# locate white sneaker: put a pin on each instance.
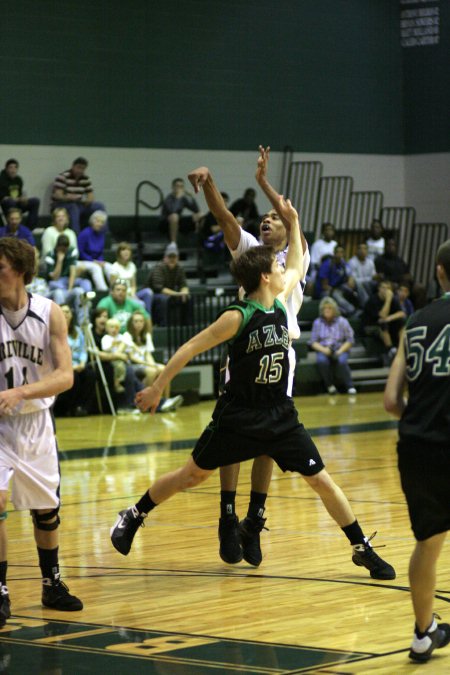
(351, 391)
(171, 404)
(332, 389)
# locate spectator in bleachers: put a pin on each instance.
(403, 293)
(62, 275)
(172, 208)
(384, 318)
(375, 241)
(113, 343)
(171, 293)
(72, 190)
(362, 269)
(80, 399)
(91, 246)
(14, 227)
(393, 268)
(12, 194)
(139, 341)
(246, 213)
(124, 268)
(390, 266)
(333, 280)
(323, 247)
(123, 401)
(332, 338)
(60, 225)
(211, 236)
(119, 305)
(140, 348)
(39, 284)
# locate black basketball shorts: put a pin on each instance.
(425, 477)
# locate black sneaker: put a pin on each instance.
(249, 529)
(55, 595)
(5, 606)
(230, 549)
(365, 556)
(437, 636)
(124, 529)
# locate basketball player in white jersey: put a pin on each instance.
(35, 365)
(242, 540)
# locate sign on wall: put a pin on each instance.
(419, 23)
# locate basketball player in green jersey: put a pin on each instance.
(254, 416)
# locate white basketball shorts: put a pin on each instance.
(29, 457)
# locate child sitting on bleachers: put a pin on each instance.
(114, 343)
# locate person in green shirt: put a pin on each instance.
(120, 306)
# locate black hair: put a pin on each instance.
(443, 257)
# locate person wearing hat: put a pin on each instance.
(171, 293)
(73, 191)
(12, 195)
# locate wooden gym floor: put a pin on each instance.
(172, 607)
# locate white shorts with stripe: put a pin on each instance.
(29, 457)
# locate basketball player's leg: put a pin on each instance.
(130, 519)
(337, 505)
(299, 453)
(230, 548)
(242, 540)
(251, 527)
(333, 498)
(422, 577)
(36, 487)
(428, 634)
(5, 605)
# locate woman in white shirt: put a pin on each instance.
(140, 348)
(60, 225)
(125, 269)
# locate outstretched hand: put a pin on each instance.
(287, 212)
(198, 177)
(148, 399)
(263, 161)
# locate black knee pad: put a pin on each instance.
(40, 519)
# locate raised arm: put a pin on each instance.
(294, 257)
(201, 178)
(223, 329)
(270, 192)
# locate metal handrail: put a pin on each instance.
(139, 201)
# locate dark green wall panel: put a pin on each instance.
(321, 75)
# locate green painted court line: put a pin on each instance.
(138, 448)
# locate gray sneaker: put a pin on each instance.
(171, 404)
